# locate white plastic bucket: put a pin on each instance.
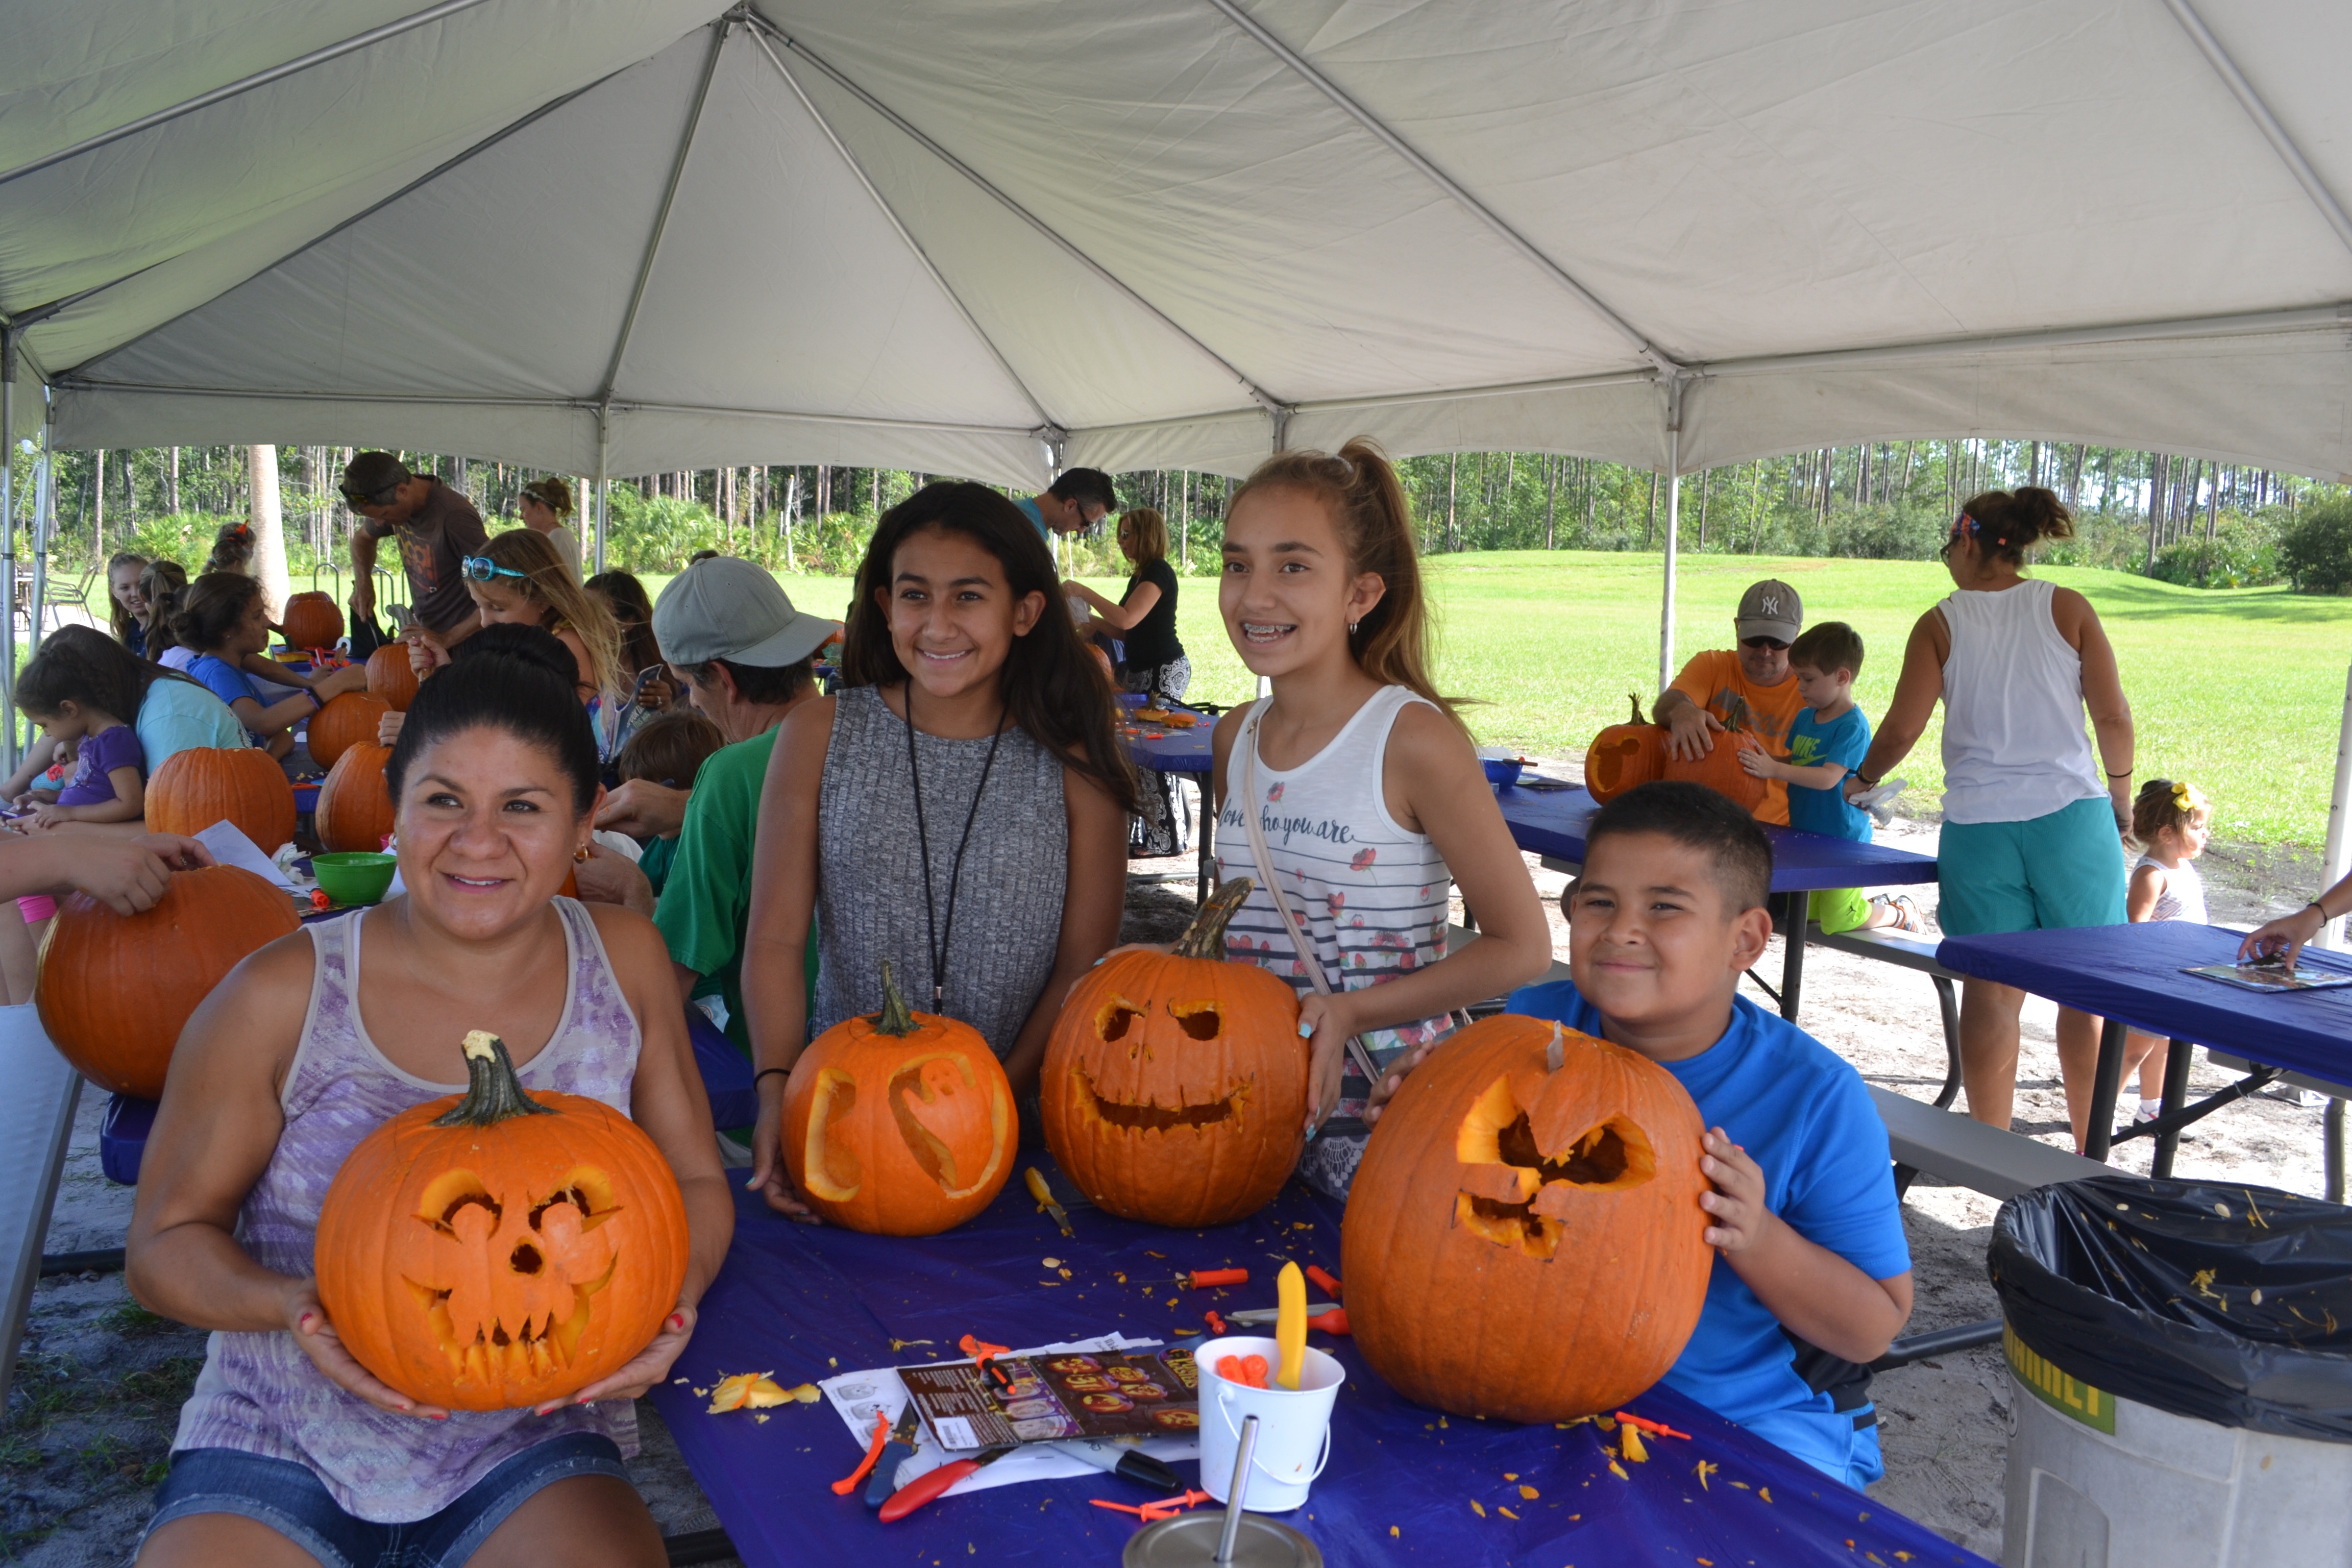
(1294, 1427)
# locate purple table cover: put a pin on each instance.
(1551, 821)
(2133, 972)
(1403, 1484)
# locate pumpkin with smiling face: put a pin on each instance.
(900, 1124)
(1175, 1084)
(1524, 1238)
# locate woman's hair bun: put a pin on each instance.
(2036, 513)
(523, 644)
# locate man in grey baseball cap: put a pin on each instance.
(1750, 681)
(746, 657)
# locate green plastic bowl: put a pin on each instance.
(356, 875)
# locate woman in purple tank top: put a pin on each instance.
(288, 1450)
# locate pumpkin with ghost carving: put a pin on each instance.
(1175, 1084)
(499, 1249)
(900, 1124)
(1524, 1238)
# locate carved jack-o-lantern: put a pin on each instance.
(901, 1123)
(499, 1250)
(1524, 1238)
(1623, 755)
(1175, 1084)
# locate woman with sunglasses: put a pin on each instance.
(2032, 833)
(1746, 688)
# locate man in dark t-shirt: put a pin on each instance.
(437, 529)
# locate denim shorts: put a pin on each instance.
(294, 1502)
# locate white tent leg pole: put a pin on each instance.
(8, 542)
(1674, 518)
(44, 498)
(603, 484)
(2331, 866)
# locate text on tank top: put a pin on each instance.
(257, 1392)
(2015, 745)
(1371, 895)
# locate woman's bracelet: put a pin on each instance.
(2324, 916)
(2124, 774)
(1865, 780)
(765, 1071)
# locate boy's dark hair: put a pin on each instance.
(768, 685)
(507, 677)
(1828, 647)
(1053, 690)
(1084, 485)
(669, 749)
(1699, 818)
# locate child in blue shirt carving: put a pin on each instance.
(1804, 1219)
(1827, 740)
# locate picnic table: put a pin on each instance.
(1403, 1484)
(2130, 976)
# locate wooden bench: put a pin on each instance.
(1907, 949)
(1961, 1150)
(39, 1095)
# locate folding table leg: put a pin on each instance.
(1207, 837)
(2101, 1119)
(2176, 1057)
(2334, 1143)
(1948, 1002)
(1792, 952)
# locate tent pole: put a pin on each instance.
(1673, 518)
(604, 481)
(44, 500)
(8, 541)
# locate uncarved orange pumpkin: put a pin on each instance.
(312, 620)
(354, 809)
(239, 785)
(1175, 1084)
(496, 1249)
(390, 676)
(1624, 755)
(1719, 769)
(115, 990)
(900, 1124)
(1524, 1238)
(342, 723)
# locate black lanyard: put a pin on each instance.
(939, 947)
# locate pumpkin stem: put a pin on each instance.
(493, 1093)
(1636, 699)
(896, 1019)
(1556, 1053)
(1205, 937)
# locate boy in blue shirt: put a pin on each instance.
(1804, 1218)
(1827, 740)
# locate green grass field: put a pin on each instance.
(1550, 644)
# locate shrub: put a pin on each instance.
(2239, 555)
(2316, 553)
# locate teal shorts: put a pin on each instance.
(2063, 870)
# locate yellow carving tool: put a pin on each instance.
(1045, 1196)
(1290, 1324)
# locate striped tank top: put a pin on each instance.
(257, 1392)
(2183, 898)
(1371, 895)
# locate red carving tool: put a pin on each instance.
(1315, 1273)
(983, 1355)
(1200, 1280)
(1322, 1315)
(931, 1483)
(1656, 1428)
(848, 1484)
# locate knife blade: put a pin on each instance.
(896, 1452)
(931, 1483)
(1121, 1460)
(1044, 1193)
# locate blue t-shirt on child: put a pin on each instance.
(227, 682)
(1846, 741)
(1803, 1116)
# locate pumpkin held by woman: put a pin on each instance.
(354, 809)
(900, 1124)
(1175, 1084)
(239, 785)
(1524, 1236)
(1624, 755)
(312, 621)
(498, 1249)
(115, 990)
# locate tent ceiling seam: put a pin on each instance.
(721, 27)
(2317, 317)
(1035, 405)
(1666, 364)
(1266, 400)
(243, 85)
(467, 156)
(2264, 120)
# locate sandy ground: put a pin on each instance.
(89, 1420)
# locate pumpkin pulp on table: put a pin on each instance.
(1175, 1087)
(496, 1250)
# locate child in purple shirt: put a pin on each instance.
(64, 697)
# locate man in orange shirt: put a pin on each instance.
(1751, 679)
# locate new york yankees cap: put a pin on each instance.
(1769, 609)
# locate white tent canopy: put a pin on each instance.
(981, 238)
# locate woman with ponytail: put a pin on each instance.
(1366, 793)
(2032, 835)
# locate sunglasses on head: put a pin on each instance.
(482, 569)
(1761, 643)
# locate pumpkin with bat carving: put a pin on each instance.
(901, 1123)
(1175, 1084)
(501, 1249)
(1524, 1238)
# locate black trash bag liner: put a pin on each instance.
(2225, 1303)
(366, 636)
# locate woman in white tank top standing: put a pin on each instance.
(1370, 799)
(2033, 832)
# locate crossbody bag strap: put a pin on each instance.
(1247, 741)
